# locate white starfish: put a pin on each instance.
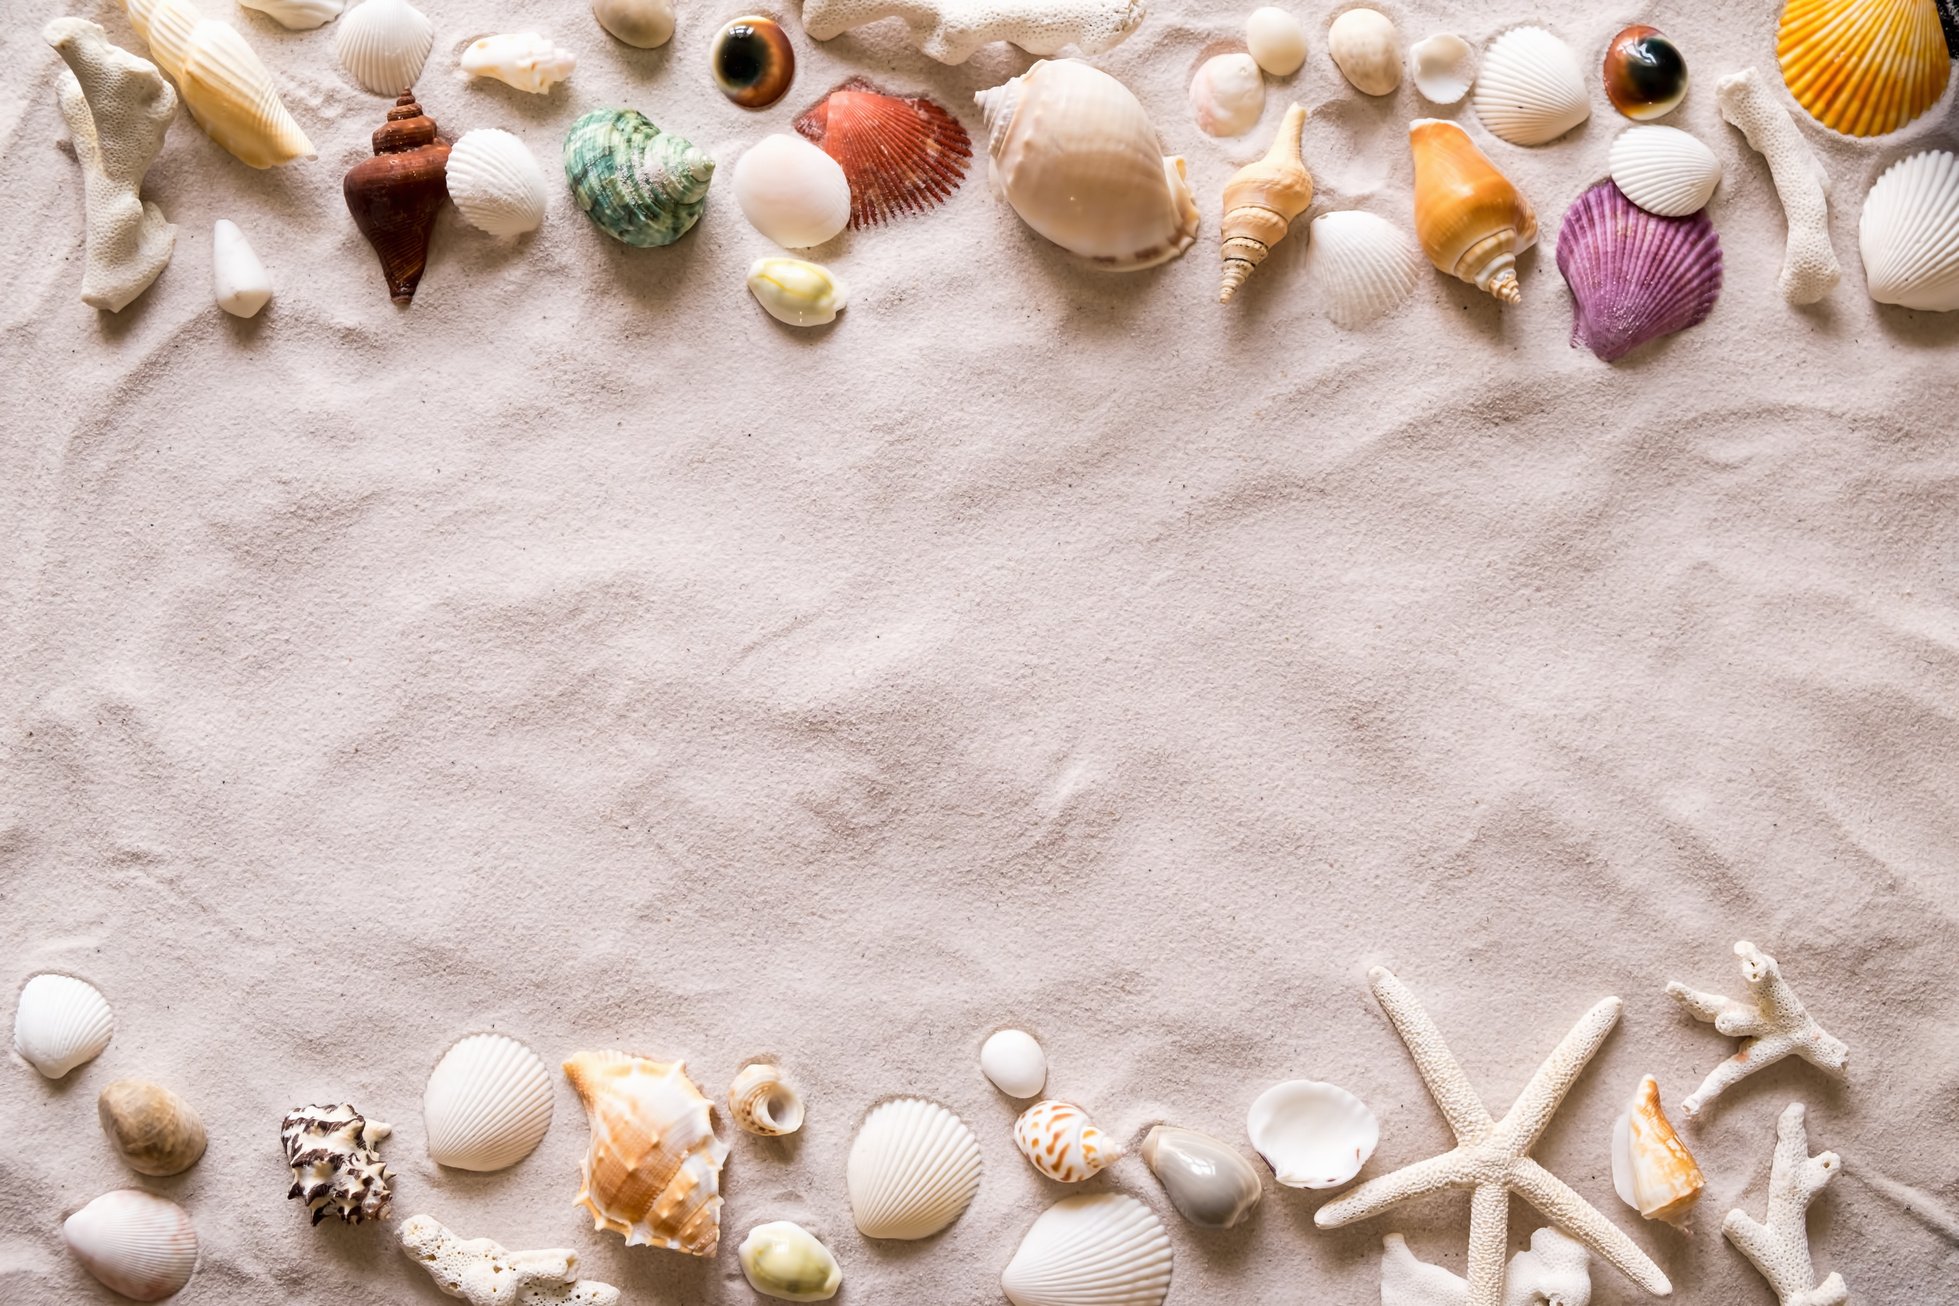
(1771, 1026)
(1492, 1157)
(1780, 1248)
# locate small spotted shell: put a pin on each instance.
(1062, 1142)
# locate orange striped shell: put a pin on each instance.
(900, 153)
(1863, 67)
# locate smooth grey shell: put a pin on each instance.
(1208, 1182)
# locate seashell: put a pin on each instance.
(1664, 170)
(796, 293)
(783, 1260)
(1652, 1170)
(496, 183)
(1097, 1249)
(1260, 202)
(239, 281)
(913, 1169)
(298, 15)
(1367, 49)
(653, 1172)
(138, 1244)
(753, 61)
(1277, 40)
(1471, 220)
(336, 1169)
(1634, 276)
(642, 24)
(950, 30)
(899, 153)
(1063, 1143)
(487, 1105)
(485, 1273)
(640, 185)
(524, 60)
(1809, 261)
(1014, 1062)
(384, 44)
(61, 1022)
(1359, 267)
(1645, 73)
(1863, 67)
(1228, 94)
(1553, 1271)
(1443, 68)
(1207, 1181)
(228, 91)
(762, 1100)
(1073, 152)
(396, 195)
(1909, 233)
(791, 191)
(1312, 1134)
(154, 1131)
(1530, 89)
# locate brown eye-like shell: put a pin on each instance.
(753, 62)
(1645, 73)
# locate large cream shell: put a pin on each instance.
(1312, 1134)
(1909, 233)
(1359, 266)
(1530, 89)
(1074, 153)
(913, 1170)
(141, 1245)
(496, 183)
(487, 1104)
(1664, 170)
(1099, 1249)
(384, 45)
(61, 1022)
(1365, 46)
(653, 1172)
(1060, 1141)
(791, 191)
(228, 90)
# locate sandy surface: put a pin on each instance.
(582, 655)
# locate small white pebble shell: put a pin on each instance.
(238, 280)
(1014, 1062)
(791, 191)
(1228, 94)
(1277, 40)
(61, 1022)
(1367, 49)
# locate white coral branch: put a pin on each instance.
(1779, 1247)
(1809, 264)
(1772, 1024)
(482, 1273)
(951, 30)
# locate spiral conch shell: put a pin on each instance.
(222, 81)
(1261, 201)
(1074, 153)
(1472, 220)
(654, 1170)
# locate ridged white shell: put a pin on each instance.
(487, 1104)
(496, 183)
(1099, 1249)
(913, 1170)
(141, 1245)
(299, 15)
(1360, 266)
(1443, 68)
(1909, 233)
(384, 44)
(1530, 89)
(791, 191)
(1312, 1134)
(1664, 170)
(61, 1023)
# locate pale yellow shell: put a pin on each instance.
(653, 1173)
(227, 89)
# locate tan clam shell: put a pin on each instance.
(226, 87)
(653, 1173)
(152, 1129)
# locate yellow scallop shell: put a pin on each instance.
(1863, 67)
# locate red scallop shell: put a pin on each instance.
(900, 153)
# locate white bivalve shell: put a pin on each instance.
(61, 1023)
(1014, 1062)
(791, 191)
(1062, 1143)
(496, 183)
(487, 1104)
(1367, 49)
(1530, 89)
(1909, 233)
(1664, 170)
(913, 1170)
(384, 44)
(1099, 1249)
(141, 1245)
(1360, 266)
(1443, 68)
(762, 1100)
(1228, 94)
(525, 60)
(298, 15)
(1312, 1134)
(1277, 40)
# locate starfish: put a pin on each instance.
(1779, 1248)
(1492, 1157)
(1771, 1026)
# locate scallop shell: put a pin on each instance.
(913, 1170)
(762, 1100)
(1207, 1181)
(526, 61)
(797, 294)
(154, 1131)
(1098, 1249)
(298, 15)
(1276, 39)
(785, 1261)
(1063, 1143)
(792, 192)
(1664, 170)
(1909, 233)
(1652, 1170)
(640, 185)
(653, 1173)
(1443, 68)
(384, 44)
(1863, 67)
(1366, 48)
(488, 1102)
(1634, 276)
(1312, 1134)
(141, 1245)
(224, 84)
(1012, 1059)
(1228, 94)
(1530, 89)
(496, 183)
(900, 154)
(1359, 266)
(61, 1022)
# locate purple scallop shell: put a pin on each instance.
(1634, 276)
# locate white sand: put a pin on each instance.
(583, 655)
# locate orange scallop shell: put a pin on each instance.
(1863, 67)
(900, 153)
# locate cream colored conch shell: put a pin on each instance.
(298, 15)
(1075, 155)
(1530, 89)
(224, 85)
(1062, 1143)
(1099, 1249)
(1261, 201)
(762, 1100)
(1809, 264)
(384, 45)
(951, 30)
(1909, 233)
(61, 1022)
(653, 1173)
(524, 60)
(483, 1273)
(141, 1245)
(1359, 266)
(1472, 220)
(913, 1169)
(1652, 1170)
(1206, 1180)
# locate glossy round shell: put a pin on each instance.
(640, 185)
(753, 61)
(1863, 67)
(1645, 73)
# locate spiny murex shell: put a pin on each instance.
(1099, 1249)
(1062, 1143)
(1909, 233)
(640, 185)
(1075, 155)
(61, 1022)
(483, 1273)
(913, 1169)
(487, 1104)
(1359, 266)
(762, 1100)
(1530, 89)
(496, 183)
(335, 1167)
(653, 1173)
(950, 30)
(1207, 1181)
(1312, 1134)
(1664, 170)
(228, 90)
(384, 44)
(783, 1260)
(137, 1243)
(152, 1129)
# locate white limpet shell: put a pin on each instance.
(791, 191)
(1228, 94)
(222, 81)
(487, 1105)
(1277, 40)
(1664, 170)
(1530, 89)
(951, 30)
(1652, 1170)
(1779, 1246)
(496, 183)
(1207, 1181)
(1060, 1141)
(239, 281)
(1360, 266)
(642, 24)
(1553, 1271)
(1098, 1249)
(783, 1260)
(913, 1170)
(483, 1273)
(1014, 1062)
(1312, 1134)
(762, 1100)
(384, 45)
(1367, 49)
(141, 1245)
(1809, 263)
(1443, 67)
(1909, 233)
(526, 60)
(797, 293)
(298, 15)
(61, 1022)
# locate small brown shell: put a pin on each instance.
(762, 1101)
(153, 1130)
(753, 61)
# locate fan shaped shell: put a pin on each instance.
(653, 1173)
(497, 184)
(791, 191)
(488, 1102)
(1312, 1134)
(1531, 90)
(384, 44)
(1360, 266)
(913, 1170)
(1099, 1249)
(1909, 233)
(1634, 276)
(61, 1022)
(1863, 67)
(900, 154)
(141, 1245)
(1664, 170)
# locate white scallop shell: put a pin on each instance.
(1443, 67)
(137, 1243)
(1060, 1141)
(1360, 266)
(1664, 170)
(61, 1023)
(487, 1104)
(1909, 233)
(1014, 1062)
(497, 184)
(1228, 94)
(1099, 1249)
(524, 60)
(791, 191)
(299, 15)
(1313, 1135)
(913, 1170)
(1530, 89)
(383, 45)
(1367, 49)
(1276, 39)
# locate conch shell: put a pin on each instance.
(1652, 1170)
(1472, 220)
(1261, 201)
(396, 195)
(654, 1170)
(226, 87)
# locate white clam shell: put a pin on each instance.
(141, 1245)
(762, 1100)
(1060, 1141)
(1099, 1249)
(487, 1104)
(299, 15)
(238, 279)
(1664, 170)
(496, 183)
(1443, 68)
(384, 44)
(1360, 266)
(913, 1170)
(1312, 1134)
(791, 191)
(61, 1022)
(1530, 89)
(1367, 49)
(525, 60)
(1228, 94)
(1014, 1062)
(1276, 39)
(1909, 233)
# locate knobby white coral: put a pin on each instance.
(482, 1273)
(1771, 1025)
(950, 30)
(1554, 1271)
(1780, 1247)
(1809, 264)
